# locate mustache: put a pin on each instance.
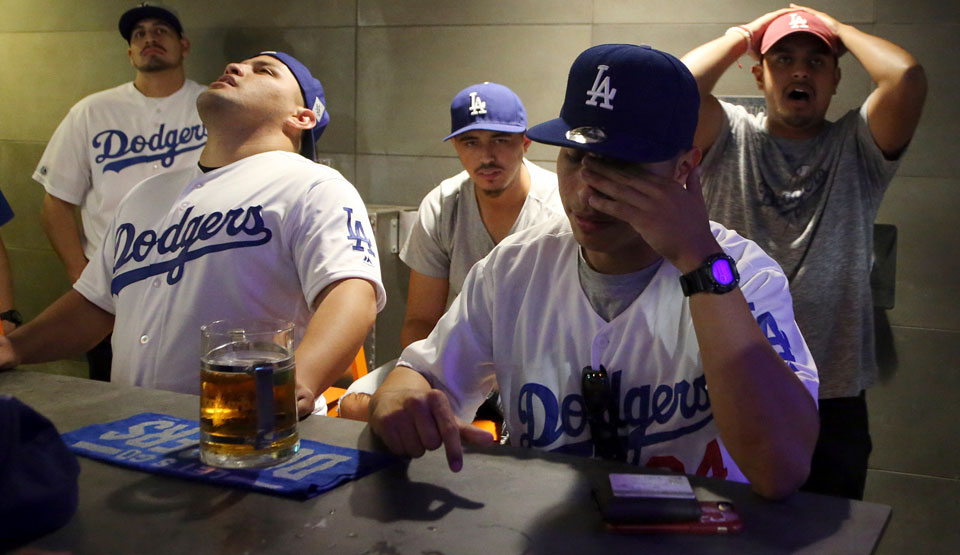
(488, 167)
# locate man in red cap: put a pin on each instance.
(807, 190)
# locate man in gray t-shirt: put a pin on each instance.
(807, 191)
(498, 193)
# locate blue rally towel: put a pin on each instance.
(168, 445)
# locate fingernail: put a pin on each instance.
(456, 465)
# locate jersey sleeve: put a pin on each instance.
(423, 251)
(768, 295)
(64, 170)
(457, 356)
(331, 239)
(95, 281)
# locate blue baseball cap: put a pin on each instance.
(312, 92)
(628, 102)
(487, 106)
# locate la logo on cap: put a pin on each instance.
(477, 105)
(797, 21)
(318, 108)
(601, 89)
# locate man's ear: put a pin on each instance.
(185, 45)
(836, 78)
(686, 162)
(526, 143)
(303, 119)
(757, 71)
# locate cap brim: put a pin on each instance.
(487, 126)
(554, 132)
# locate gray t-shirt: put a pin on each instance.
(449, 236)
(810, 205)
(611, 294)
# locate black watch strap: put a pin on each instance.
(717, 274)
(12, 315)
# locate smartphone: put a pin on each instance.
(716, 517)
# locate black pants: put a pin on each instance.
(839, 465)
(99, 359)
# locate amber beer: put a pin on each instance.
(248, 404)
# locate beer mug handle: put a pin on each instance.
(263, 375)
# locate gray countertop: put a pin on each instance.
(505, 500)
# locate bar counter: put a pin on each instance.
(505, 500)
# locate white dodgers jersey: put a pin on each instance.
(523, 319)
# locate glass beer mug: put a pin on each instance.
(248, 399)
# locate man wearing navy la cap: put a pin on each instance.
(499, 192)
(255, 231)
(628, 330)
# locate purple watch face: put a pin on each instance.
(721, 271)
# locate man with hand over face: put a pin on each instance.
(633, 329)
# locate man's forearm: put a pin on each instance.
(72, 325)
(336, 331)
(765, 415)
(415, 330)
(6, 280)
(884, 61)
(62, 229)
(709, 61)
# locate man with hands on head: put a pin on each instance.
(807, 191)
(254, 231)
(632, 329)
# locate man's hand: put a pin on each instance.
(830, 22)
(671, 218)
(759, 25)
(8, 358)
(835, 26)
(305, 401)
(412, 422)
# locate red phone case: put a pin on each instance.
(717, 517)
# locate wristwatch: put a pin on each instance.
(12, 316)
(717, 274)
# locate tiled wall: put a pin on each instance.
(390, 69)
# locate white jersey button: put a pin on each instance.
(144, 339)
(156, 282)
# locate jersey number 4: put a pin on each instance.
(356, 233)
(711, 465)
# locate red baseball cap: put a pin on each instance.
(798, 22)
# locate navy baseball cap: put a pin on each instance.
(312, 92)
(628, 102)
(486, 106)
(131, 17)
